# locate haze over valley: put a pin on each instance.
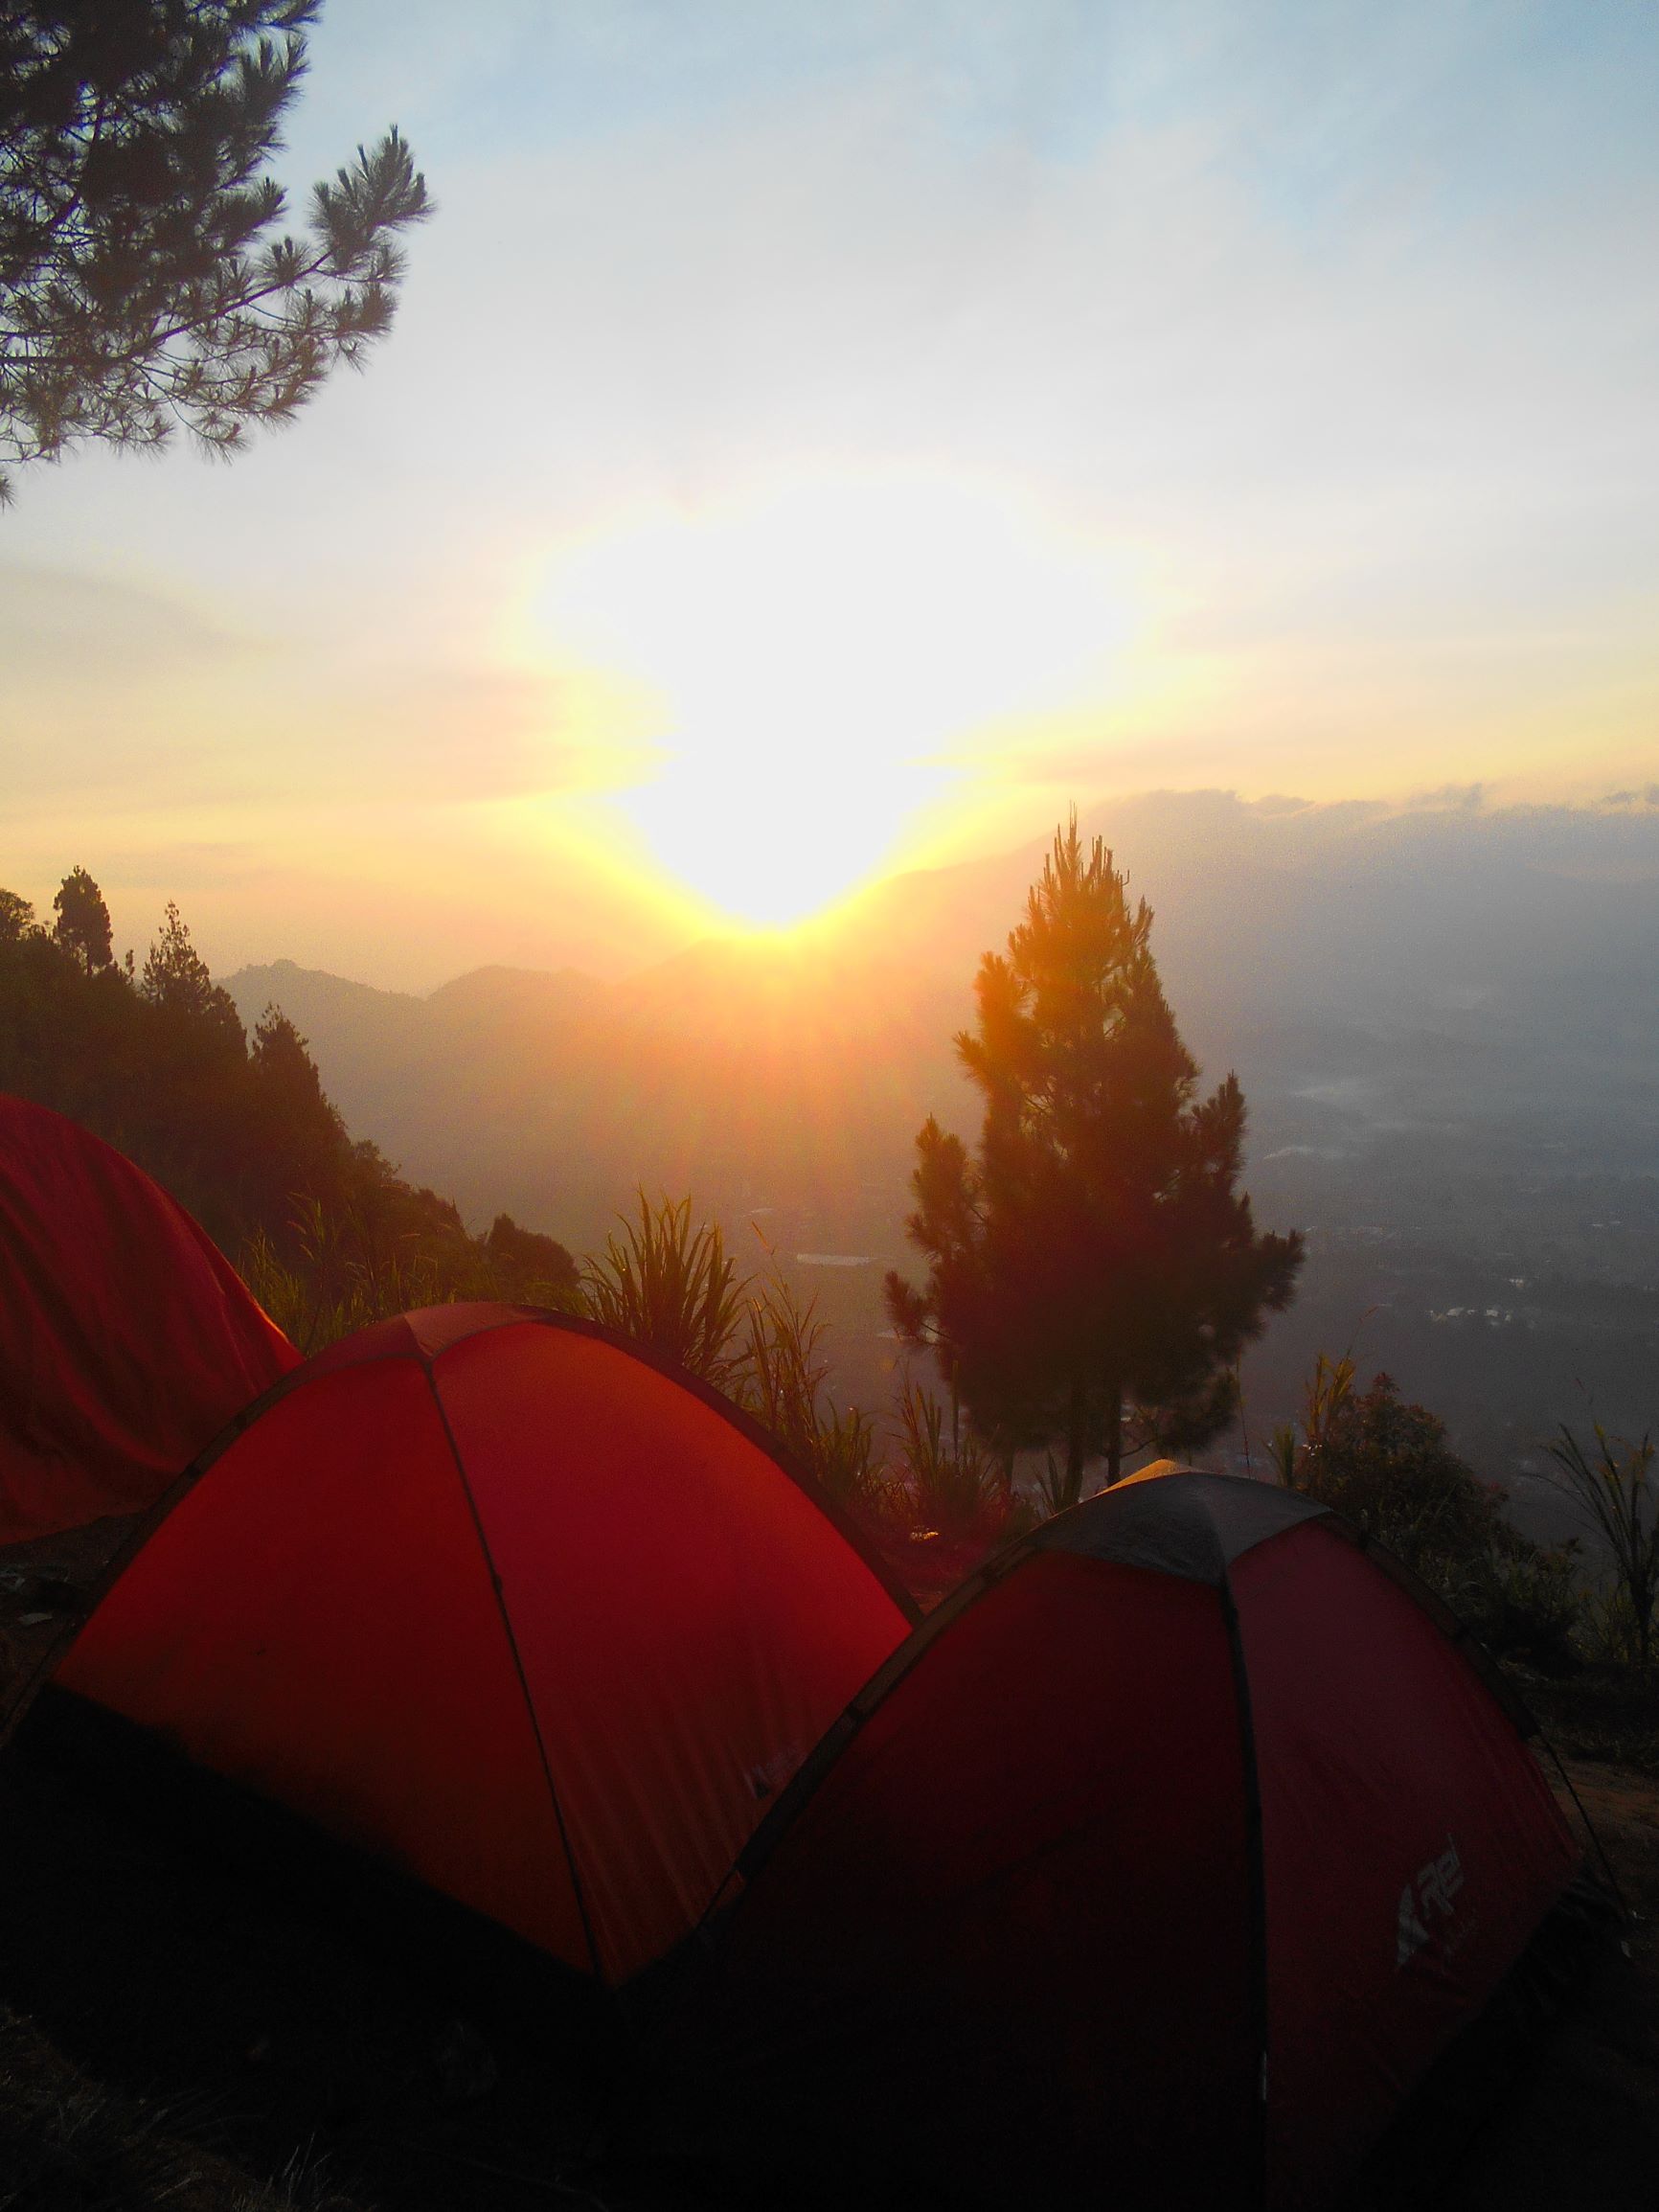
(1442, 1016)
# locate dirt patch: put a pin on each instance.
(69, 2145)
(46, 1589)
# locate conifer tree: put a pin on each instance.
(1094, 1273)
(141, 288)
(177, 982)
(16, 917)
(82, 927)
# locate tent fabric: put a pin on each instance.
(127, 1340)
(1463, 1855)
(492, 1596)
(1197, 1529)
(1125, 1883)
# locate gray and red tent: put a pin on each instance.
(1155, 1869)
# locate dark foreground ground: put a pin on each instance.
(173, 2036)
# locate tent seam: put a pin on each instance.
(1255, 1864)
(428, 1366)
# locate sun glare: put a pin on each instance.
(819, 659)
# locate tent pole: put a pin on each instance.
(489, 1568)
(1257, 1876)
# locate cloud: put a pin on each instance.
(302, 726)
(185, 865)
(1284, 311)
(450, 733)
(1449, 799)
(58, 623)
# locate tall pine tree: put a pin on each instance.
(1094, 1273)
(142, 285)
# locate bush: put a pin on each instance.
(781, 1381)
(672, 1287)
(956, 1487)
(1385, 1465)
(1615, 1491)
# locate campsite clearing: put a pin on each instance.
(135, 1979)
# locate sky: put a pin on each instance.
(826, 438)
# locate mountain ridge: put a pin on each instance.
(1428, 968)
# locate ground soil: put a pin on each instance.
(168, 2030)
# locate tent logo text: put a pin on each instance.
(1428, 1897)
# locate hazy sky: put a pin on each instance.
(822, 433)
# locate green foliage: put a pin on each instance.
(954, 1484)
(389, 1249)
(529, 1269)
(672, 1287)
(331, 1289)
(1283, 1449)
(330, 1236)
(1385, 1463)
(16, 918)
(1607, 1710)
(780, 1379)
(69, 2143)
(143, 286)
(1615, 1489)
(200, 1012)
(1530, 1603)
(82, 925)
(1060, 1486)
(1093, 1273)
(1387, 1466)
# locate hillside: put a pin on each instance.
(1442, 1021)
(1372, 977)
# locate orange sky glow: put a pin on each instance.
(815, 443)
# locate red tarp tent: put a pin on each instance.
(1153, 1870)
(489, 1595)
(127, 1340)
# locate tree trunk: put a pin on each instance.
(1074, 1445)
(1114, 1437)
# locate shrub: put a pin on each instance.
(1385, 1465)
(672, 1287)
(952, 1485)
(1614, 1488)
(781, 1381)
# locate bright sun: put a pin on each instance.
(819, 660)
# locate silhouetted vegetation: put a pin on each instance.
(782, 1380)
(1093, 1273)
(1613, 1486)
(141, 286)
(155, 1060)
(69, 2144)
(1385, 1463)
(670, 1286)
(954, 1485)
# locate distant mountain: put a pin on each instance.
(1445, 1023)
(751, 1078)
(1361, 970)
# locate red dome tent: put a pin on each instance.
(126, 1340)
(486, 1593)
(1153, 1870)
